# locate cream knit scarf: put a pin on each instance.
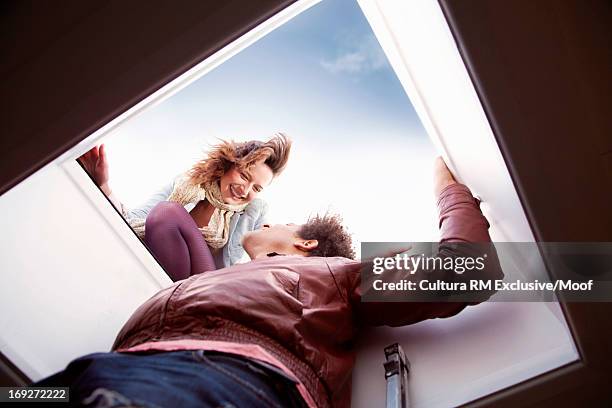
(216, 233)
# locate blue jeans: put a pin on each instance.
(174, 379)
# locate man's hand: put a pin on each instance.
(96, 164)
(442, 176)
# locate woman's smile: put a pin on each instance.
(242, 185)
(234, 191)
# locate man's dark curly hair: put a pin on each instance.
(333, 238)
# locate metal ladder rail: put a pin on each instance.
(397, 368)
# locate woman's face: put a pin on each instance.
(242, 186)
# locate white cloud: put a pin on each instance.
(360, 57)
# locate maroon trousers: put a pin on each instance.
(177, 243)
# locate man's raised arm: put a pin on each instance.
(464, 233)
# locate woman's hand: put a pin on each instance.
(442, 176)
(96, 164)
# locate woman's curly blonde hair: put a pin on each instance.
(222, 157)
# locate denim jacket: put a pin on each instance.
(252, 218)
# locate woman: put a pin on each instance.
(195, 223)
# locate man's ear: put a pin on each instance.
(306, 245)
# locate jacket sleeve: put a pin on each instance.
(263, 216)
(461, 221)
(144, 209)
(254, 217)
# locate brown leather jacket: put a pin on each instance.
(305, 311)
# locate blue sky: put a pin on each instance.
(325, 65)
(323, 79)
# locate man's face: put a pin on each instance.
(274, 238)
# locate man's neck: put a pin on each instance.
(258, 253)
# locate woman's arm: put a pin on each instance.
(254, 217)
(142, 211)
(263, 216)
(95, 162)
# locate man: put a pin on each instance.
(276, 331)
